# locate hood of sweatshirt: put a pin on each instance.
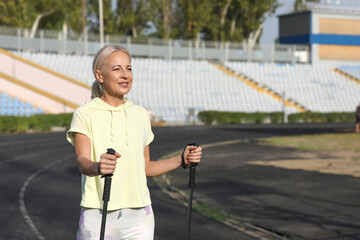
(99, 104)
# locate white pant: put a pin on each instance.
(123, 224)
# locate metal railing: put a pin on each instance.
(75, 43)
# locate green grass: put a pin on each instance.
(318, 142)
(213, 213)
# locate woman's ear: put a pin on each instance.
(99, 77)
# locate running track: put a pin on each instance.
(40, 183)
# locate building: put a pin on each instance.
(333, 34)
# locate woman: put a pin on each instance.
(110, 120)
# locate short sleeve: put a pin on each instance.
(78, 125)
(150, 135)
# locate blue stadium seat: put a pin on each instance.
(10, 106)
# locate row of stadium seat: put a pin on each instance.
(16, 107)
(74, 66)
(351, 70)
(171, 87)
(318, 88)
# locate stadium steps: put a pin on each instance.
(347, 75)
(52, 91)
(259, 87)
(38, 91)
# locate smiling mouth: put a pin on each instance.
(124, 84)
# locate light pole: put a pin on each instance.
(101, 22)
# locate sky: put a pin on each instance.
(271, 25)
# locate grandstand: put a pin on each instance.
(351, 71)
(176, 90)
(75, 66)
(314, 68)
(317, 88)
(172, 88)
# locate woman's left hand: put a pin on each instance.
(192, 154)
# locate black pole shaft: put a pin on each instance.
(103, 222)
(106, 198)
(191, 192)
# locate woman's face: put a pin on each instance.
(116, 75)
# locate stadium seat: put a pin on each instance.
(170, 87)
(10, 106)
(351, 70)
(318, 88)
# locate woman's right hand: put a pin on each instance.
(107, 163)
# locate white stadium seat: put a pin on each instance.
(318, 88)
(171, 87)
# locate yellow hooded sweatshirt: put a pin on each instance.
(126, 129)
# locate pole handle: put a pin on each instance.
(192, 177)
(192, 169)
(107, 184)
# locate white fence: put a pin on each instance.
(72, 43)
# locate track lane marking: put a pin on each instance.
(28, 146)
(21, 197)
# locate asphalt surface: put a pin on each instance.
(295, 204)
(40, 187)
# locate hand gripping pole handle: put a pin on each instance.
(193, 144)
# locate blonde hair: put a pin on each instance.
(99, 60)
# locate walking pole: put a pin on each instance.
(191, 191)
(106, 197)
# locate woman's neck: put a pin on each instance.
(113, 101)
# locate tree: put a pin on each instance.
(31, 14)
(84, 16)
(162, 15)
(252, 19)
(238, 20)
(192, 17)
(14, 13)
(224, 8)
(131, 17)
(218, 20)
(74, 14)
(65, 14)
(216, 29)
(108, 14)
(299, 6)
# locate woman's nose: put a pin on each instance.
(124, 74)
